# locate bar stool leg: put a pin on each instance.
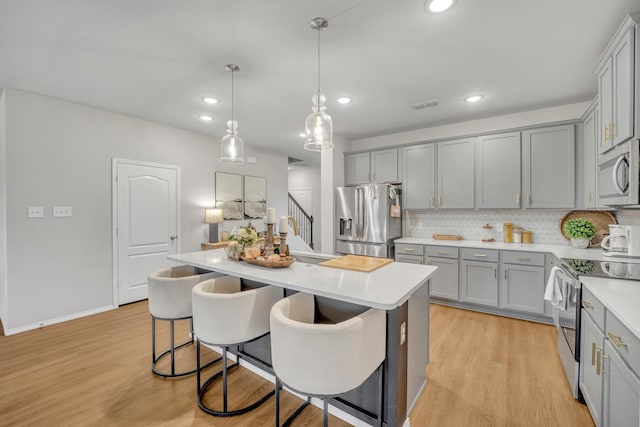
(381, 393)
(173, 348)
(277, 391)
(224, 379)
(325, 412)
(153, 339)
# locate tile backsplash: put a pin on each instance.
(544, 225)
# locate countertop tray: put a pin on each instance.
(357, 263)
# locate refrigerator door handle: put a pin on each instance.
(356, 219)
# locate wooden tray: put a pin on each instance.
(357, 263)
(600, 219)
(285, 262)
(447, 237)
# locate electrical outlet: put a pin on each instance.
(35, 212)
(59, 211)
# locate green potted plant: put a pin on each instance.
(580, 231)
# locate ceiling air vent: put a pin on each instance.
(425, 104)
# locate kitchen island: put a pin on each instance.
(400, 289)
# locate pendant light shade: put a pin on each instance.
(232, 146)
(318, 126)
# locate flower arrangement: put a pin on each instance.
(579, 228)
(245, 236)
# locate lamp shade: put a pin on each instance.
(213, 216)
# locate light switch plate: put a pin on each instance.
(58, 211)
(35, 212)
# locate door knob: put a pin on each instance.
(174, 237)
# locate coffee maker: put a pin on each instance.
(622, 241)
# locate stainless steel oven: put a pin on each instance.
(619, 175)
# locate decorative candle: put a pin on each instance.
(271, 216)
(283, 227)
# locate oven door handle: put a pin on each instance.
(614, 175)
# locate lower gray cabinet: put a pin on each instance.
(411, 259)
(591, 343)
(621, 404)
(479, 282)
(444, 282)
(522, 288)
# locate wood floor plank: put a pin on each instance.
(485, 371)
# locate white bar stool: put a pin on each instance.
(169, 291)
(224, 315)
(324, 360)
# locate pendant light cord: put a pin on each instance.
(318, 63)
(232, 71)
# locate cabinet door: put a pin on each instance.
(522, 288)
(498, 171)
(479, 282)
(384, 165)
(591, 348)
(444, 282)
(419, 172)
(623, 66)
(589, 161)
(356, 168)
(605, 96)
(456, 174)
(548, 167)
(621, 403)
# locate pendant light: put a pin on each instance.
(232, 144)
(318, 126)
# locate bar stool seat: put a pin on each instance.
(169, 293)
(224, 315)
(324, 360)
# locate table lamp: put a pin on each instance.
(213, 217)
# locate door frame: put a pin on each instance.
(114, 214)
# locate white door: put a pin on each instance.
(303, 197)
(146, 217)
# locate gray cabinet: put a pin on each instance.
(456, 174)
(371, 167)
(413, 254)
(498, 171)
(479, 277)
(411, 259)
(591, 343)
(444, 282)
(548, 167)
(419, 176)
(590, 158)
(621, 394)
(522, 288)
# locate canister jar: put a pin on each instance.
(517, 235)
(507, 231)
(487, 233)
(526, 236)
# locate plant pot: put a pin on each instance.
(580, 243)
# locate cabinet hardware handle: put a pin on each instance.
(505, 274)
(605, 132)
(524, 259)
(517, 198)
(604, 356)
(586, 304)
(439, 200)
(495, 273)
(443, 253)
(617, 340)
(408, 249)
(593, 354)
(598, 360)
(480, 255)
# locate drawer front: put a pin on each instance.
(523, 258)
(403, 248)
(411, 259)
(594, 307)
(442, 251)
(480, 254)
(627, 344)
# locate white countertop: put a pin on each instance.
(386, 288)
(620, 297)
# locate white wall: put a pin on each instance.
(3, 210)
(59, 153)
(309, 178)
(492, 124)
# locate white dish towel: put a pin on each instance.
(557, 290)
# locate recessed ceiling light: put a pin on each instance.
(210, 100)
(343, 100)
(438, 6)
(206, 118)
(474, 98)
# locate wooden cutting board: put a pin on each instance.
(357, 263)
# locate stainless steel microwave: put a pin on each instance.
(619, 175)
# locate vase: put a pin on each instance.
(580, 243)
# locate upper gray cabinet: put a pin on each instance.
(418, 178)
(616, 75)
(456, 174)
(548, 167)
(590, 159)
(498, 171)
(371, 167)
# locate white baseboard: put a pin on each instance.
(49, 322)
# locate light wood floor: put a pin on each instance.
(485, 371)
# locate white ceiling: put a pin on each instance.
(156, 59)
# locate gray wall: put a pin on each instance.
(3, 210)
(60, 153)
(309, 178)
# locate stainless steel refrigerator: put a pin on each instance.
(368, 219)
